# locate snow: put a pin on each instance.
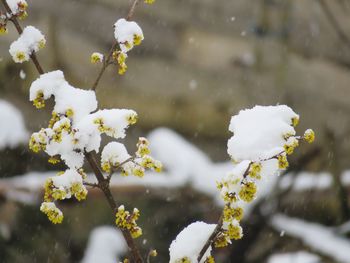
(66, 180)
(54, 84)
(125, 32)
(295, 257)
(258, 133)
(106, 244)
(22, 74)
(189, 166)
(115, 153)
(189, 242)
(307, 181)
(13, 131)
(31, 40)
(319, 238)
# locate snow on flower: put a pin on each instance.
(31, 40)
(260, 132)
(189, 242)
(17, 6)
(128, 34)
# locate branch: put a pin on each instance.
(218, 227)
(103, 183)
(106, 63)
(342, 35)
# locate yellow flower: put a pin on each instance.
(295, 121)
(54, 160)
(137, 39)
(255, 170)
(183, 260)
(309, 135)
(132, 118)
(149, 2)
(96, 58)
(3, 29)
(39, 101)
(247, 191)
(210, 259)
(234, 231)
(53, 213)
(127, 221)
(20, 56)
(282, 161)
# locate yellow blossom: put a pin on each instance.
(309, 135)
(282, 161)
(247, 191)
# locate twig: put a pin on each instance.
(107, 62)
(93, 185)
(130, 159)
(342, 35)
(132, 10)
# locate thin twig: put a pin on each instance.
(340, 32)
(107, 62)
(93, 185)
(130, 159)
(132, 10)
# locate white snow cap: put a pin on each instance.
(31, 40)
(66, 180)
(190, 241)
(80, 101)
(258, 133)
(114, 152)
(125, 33)
(13, 131)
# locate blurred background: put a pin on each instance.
(200, 63)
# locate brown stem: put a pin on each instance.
(107, 61)
(104, 186)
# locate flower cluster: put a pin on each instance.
(53, 213)
(76, 128)
(149, 1)
(31, 40)
(125, 220)
(115, 156)
(263, 137)
(128, 34)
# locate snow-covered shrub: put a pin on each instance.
(262, 139)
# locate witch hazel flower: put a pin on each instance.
(31, 40)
